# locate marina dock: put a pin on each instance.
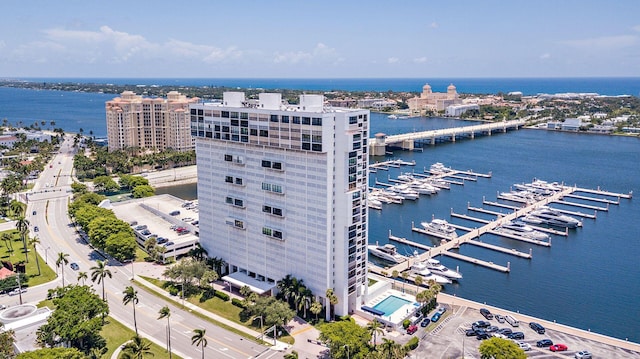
(489, 226)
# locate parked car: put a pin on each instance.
(470, 332)
(558, 348)
(442, 309)
(585, 354)
(162, 240)
(34, 213)
(74, 266)
(511, 320)
(483, 335)
(133, 223)
(544, 343)
(524, 346)
(174, 213)
(505, 331)
(36, 229)
(499, 335)
(18, 291)
(536, 327)
(481, 324)
(412, 329)
(146, 232)
(491, 329)
(187, 219)
(499, 318)
(436, 317)
(425, 322)
(141, 227)
(486, 314)
(516, 336)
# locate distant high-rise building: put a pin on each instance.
(282, 191)
(149, 124)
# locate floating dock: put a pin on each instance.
(480, 262)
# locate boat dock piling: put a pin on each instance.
(512, 251)
(581, 205)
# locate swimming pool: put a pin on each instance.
(390, 304)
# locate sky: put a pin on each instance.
(319, 39)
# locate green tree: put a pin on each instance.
(105, 184)
(392, 350)
(102, 227)
(22, 225)
(333, 300)
(498, 348)
(82, 276)
(137, 348)
(375, 327)
(165, 312)
(315, 308)
(7, 342)
(52, 353)
(121, 246)
(62, 261)
(131, 296)
(7, 238)
(292, 355)
(405, 275)
(98, 273)
(418, 280)
(78, 188)
(345, 334)
(32, 242)
(76, 321)
(143, 191)
(199, 339)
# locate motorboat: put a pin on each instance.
(553, 186)
(522, 229)
(374, 203)
(438, 268)
(440, 228)
(438, 168)
(536, 190)
(406, 177)
(387, 252)
(551, 217)
(519, 196)
(420, 269)
(422, 188)
(392, 117)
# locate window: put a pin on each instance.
(276, 165)
(266, 209)
(266, 164)
(273, 118)
(229, 200)
(296, 119)
(275, 188)
(353, 120)
(228, 179)
(272, 210)
(316, 121)
(236, 202)
(273, 233)
(284, 119)
(272, 164)
(228, 158)
(306, 120)
(225, 114)
(239, 181)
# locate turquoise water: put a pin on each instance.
(390, 304)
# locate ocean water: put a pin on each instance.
(588, 280)
(529, 86)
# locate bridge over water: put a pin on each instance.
(407, 141)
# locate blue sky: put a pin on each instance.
(315, 39)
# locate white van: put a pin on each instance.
(511, 320)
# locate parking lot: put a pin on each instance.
(448, 340)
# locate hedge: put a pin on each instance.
(222, 295)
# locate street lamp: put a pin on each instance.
(261, 331)
(46, 256)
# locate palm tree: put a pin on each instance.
(198, 339)
(22, 225)
(375, 327)
(16, 208)
(418, 280)
(7, 238)
(315, 308)
(137, 348)
(82, 276)
(131, 296)
(99, 272)
(33, 241)
(61, 262)
(405, 275)
(391, 349)
(97, 353)
(333, 300)
(165, 312)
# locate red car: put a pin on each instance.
(412, 329)
(558, 348)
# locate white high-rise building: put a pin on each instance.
(282, 191)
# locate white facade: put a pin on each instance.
(458, 110)
(282, 190)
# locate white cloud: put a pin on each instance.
(420, 60)
(545, 56)
(319, 54)
(604, 42)
(393, 60)
(434, 25)
(636, 28)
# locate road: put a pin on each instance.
(49, 198)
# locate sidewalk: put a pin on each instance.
(142, 269)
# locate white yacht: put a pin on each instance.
(392, 117)
(387, 252)
(438, 168)
(521, 229)
(438, 268)
(374, 203)
(440, 228)
(419, 268)
(551, 217)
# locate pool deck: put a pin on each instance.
(399, 314)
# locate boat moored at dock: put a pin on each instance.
(387, 252)
(440, 228)
(421, 269)
(438, 268)
(547, 215)
(521, 229)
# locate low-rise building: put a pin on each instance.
(458, 110)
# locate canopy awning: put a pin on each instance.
(240, 279)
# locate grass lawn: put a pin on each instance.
(217, 306)
(47, 274)
(117, 334)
